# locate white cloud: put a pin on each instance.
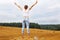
(4, 13)
(5, 1)
(46, 11)
(48, 19)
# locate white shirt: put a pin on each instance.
(25, 13)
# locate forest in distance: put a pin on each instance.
(34, 25)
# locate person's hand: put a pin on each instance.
(15, 3)
(36, 1)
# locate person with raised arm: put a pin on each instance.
(25, 10)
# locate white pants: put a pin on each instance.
(25, 21)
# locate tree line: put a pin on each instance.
(33, 25)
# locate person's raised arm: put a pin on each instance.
(18, 5)
(33, 5)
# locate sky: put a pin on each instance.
(45, 12)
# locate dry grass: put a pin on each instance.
(13, 33)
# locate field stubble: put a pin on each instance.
(14, 33)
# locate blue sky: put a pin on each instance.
(45, 12)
